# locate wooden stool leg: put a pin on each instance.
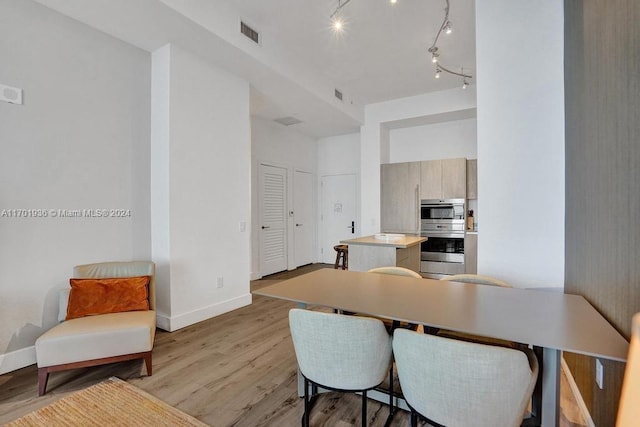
(341, 254)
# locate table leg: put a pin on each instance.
(551, 387)
(300, 378)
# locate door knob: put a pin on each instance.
(352, 227)
(265, 226)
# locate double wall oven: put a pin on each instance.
(442, 221)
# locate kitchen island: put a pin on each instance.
(384, 250)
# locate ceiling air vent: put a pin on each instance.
(249, 32)
(288, 121)
(337, 94)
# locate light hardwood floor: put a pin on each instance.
(238, 369)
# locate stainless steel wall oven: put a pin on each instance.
(443, 223)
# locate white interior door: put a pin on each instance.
(304, 225)
(273, 219)
(338, 213)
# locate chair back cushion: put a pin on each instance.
(396, 271)
(338, 351)
(477, 279)
(458, 383)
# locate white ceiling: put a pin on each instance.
(381, 55)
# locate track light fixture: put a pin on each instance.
(434, 54)
(445, 27)
(448, 28)
(335, 17)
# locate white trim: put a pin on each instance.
(163, 321)
(576, 394)
(180, 321)
(17, 359)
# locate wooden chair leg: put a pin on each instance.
(43, 378)
(148, 364)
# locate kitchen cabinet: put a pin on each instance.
(431, 179)
(399, 197)
(443, 179)
(472, 179)
(370, 252)
(471, 253)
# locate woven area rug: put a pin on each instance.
(111, 403)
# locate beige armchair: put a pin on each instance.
(97, 339)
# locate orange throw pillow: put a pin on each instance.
(89, 297)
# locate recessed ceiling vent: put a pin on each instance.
(337, 94)
(249, 32)
(288, 121)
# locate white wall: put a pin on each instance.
(277, 145)
(80, 141)
(339, 155)
(160, 161)
(446, 140)
(376, 144)
(208, 187)
(521, 141)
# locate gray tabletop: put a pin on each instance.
(546, 319)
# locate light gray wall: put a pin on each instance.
(80, 141)
(521, 141)
(435, 141)
(201, 172)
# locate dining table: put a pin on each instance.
(549, 322)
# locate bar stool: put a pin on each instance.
(342, 253)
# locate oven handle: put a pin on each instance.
(443, 234)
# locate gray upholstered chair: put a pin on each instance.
(103, 338)
(341, 353)
(397, 271)
(460, 384)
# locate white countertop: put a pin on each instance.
(393, 241)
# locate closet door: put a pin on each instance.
(273, 219)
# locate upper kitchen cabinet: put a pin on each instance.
(431, 179)
(399, 197)
(472, 179)
(443, 179)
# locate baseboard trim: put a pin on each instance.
(173, 323)
(17, 359)
(576, 394)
